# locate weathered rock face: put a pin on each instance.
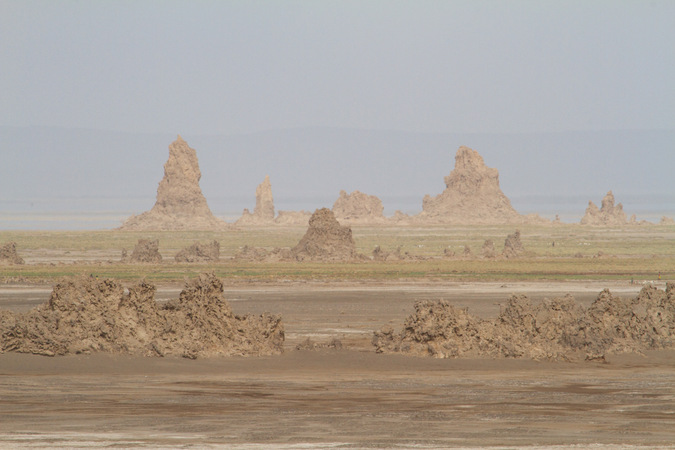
(607, 215)
(85, 315)
(180, 203)
(263, 214)
(145, 251)
(358, 208)
(9, 255)
(472, 195)
(325, 240)
(558, 329)
(199, 252)
(513, 247)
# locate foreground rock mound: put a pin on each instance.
(9, 255)
(199, 252)
(607, 215)
(263, 214)
(85, 315)
(180, 203)
(558, 329)
(358, 208)
(472, 195)
(325, 240)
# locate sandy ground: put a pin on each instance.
(351, 398)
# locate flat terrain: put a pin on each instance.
(350, 397)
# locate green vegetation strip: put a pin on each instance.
(530, 269)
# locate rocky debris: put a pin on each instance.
(199, 252)
(293, 218)
(666, 221)
(308, 344)
(607, 215)
(326, 240)
(467, 252)
(358, 208)
(558, 329)
(259, 254)
(382, 255)
(513, 247)
(85, 315)
(9, 255)
(472, 195)
(263, 214)
(180, 203)
(488, 249)
(145, 251)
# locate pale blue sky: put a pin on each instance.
(223, 67)
(568, 99)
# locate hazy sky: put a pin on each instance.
(224, 67)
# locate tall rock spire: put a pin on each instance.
(180, 202)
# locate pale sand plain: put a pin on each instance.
(346, 398)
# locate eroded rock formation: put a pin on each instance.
(358, 208)
(85, 315)
(199, 252)
(145, 251)
(326, 240)
(180, 203)
(472, 195)
(9, 255)
(558, 329)
(263, 214)
(513, 247)
(488, 249)
(607, 215)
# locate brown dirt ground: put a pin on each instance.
(348, 398)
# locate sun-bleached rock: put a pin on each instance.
(609, 214)
(180, 204)
(358, 208)
(472, 195)
(263, 214)
(325, 240)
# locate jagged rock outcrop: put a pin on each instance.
(263, 214)
(358, 208)
(472, 195)
(199, 252)
(607, 215)
(558, 329)
(9, 255)
(326, 240)
(145, 251)
(513, 247)
(667, 221)
(85, 315)
(180, 203)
